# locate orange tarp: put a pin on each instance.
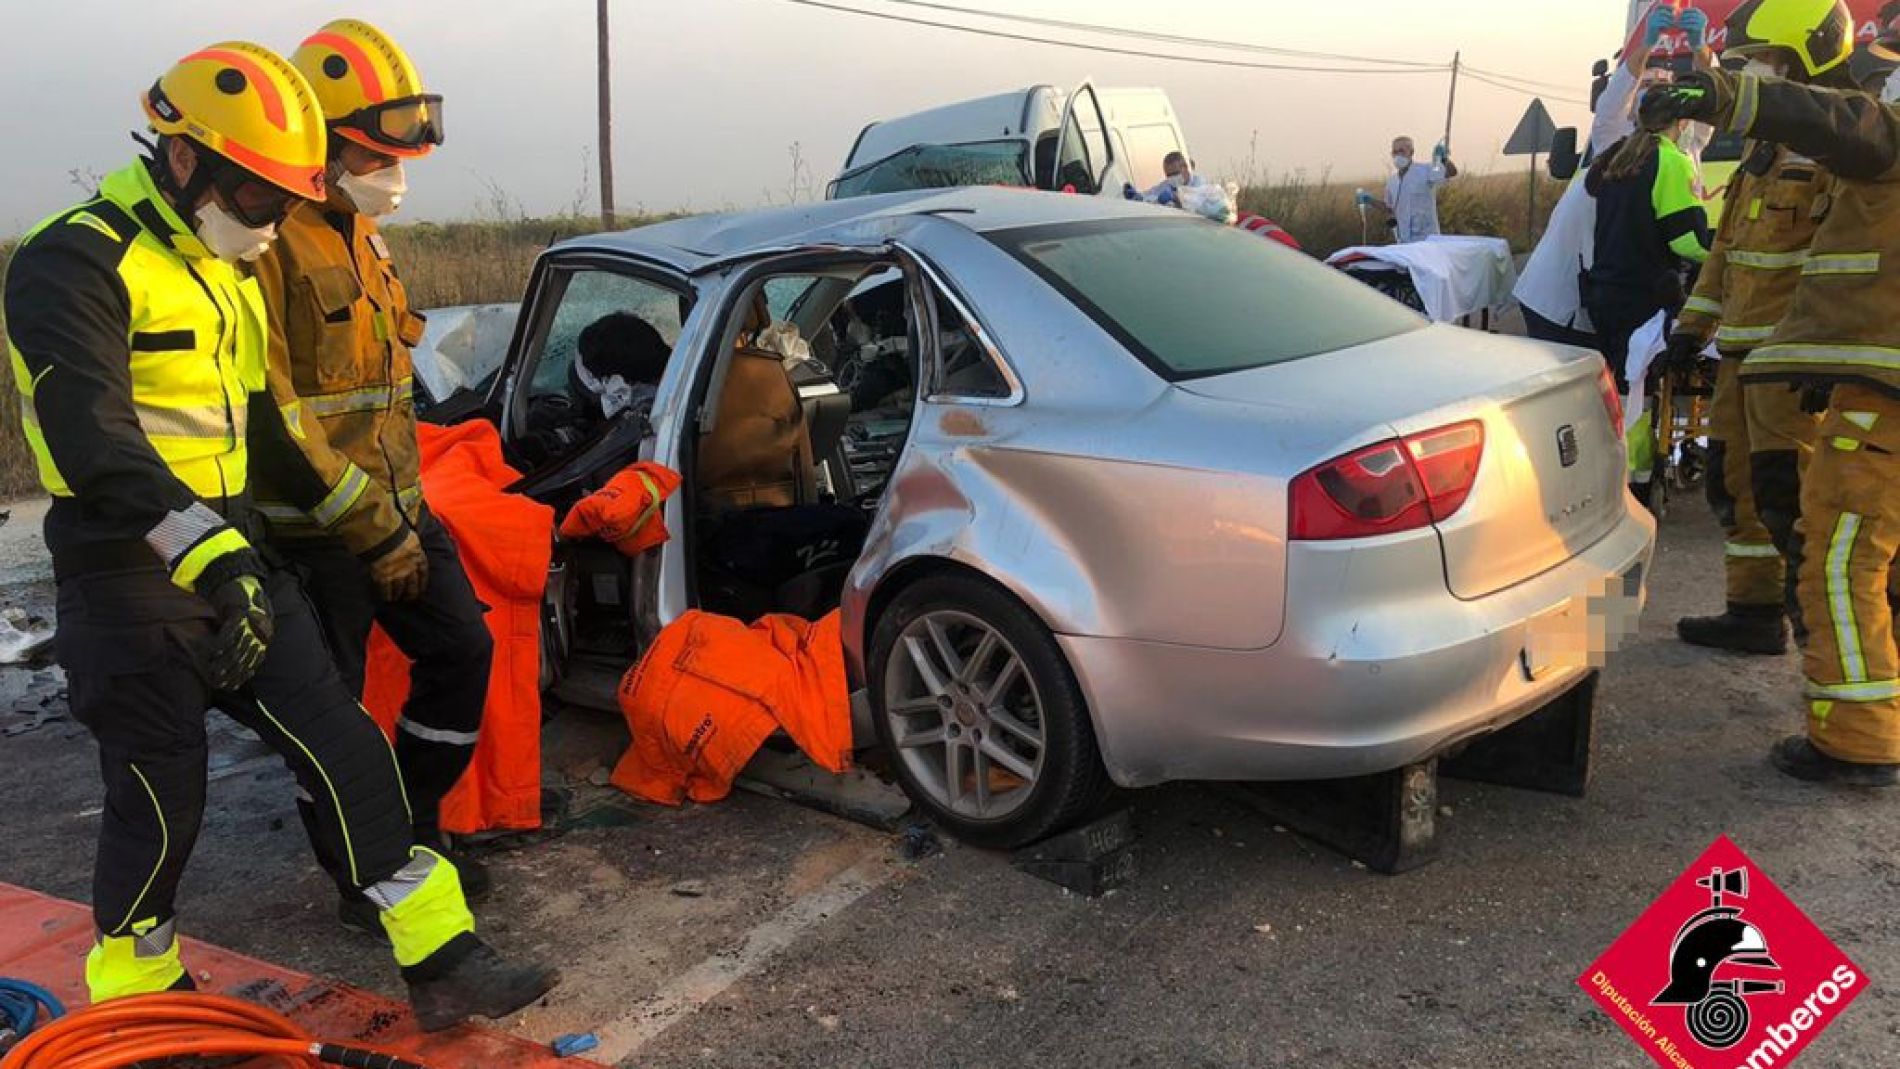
(45, 940)
(506, 543)
(711, 690)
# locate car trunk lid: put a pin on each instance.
(1551, 481)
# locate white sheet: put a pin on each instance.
(1645, 345)
(1455, 276)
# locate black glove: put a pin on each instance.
(1683, 356)
(244, 631)
(1692, 96)
(1816, 397)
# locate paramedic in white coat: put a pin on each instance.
(1411, 194)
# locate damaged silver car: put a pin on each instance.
(1107, 495)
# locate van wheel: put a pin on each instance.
(988, 728)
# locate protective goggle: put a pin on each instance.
(406, 125)
(254, 202)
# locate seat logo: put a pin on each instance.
(1567, 445)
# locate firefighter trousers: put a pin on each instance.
(1759, 440)
(133, 645)
(1850, 507)
(443, 634)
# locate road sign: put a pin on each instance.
(1534, 133)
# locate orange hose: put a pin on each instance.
(123, 1031)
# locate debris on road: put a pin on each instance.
(23, 637)
(689, 889)
(919, 843)
(574, 1045)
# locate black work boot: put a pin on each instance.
(466, 978)
(1742, 629)
(1797, 757)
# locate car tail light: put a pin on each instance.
(1397, 485)
(1612, 398)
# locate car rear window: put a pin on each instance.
(1193, 298)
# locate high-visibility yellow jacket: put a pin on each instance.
(1842, 326)
(340, 374)
(135, 352)
(1749, 281)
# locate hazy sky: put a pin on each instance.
(711, 94)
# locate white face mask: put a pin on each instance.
(1891, 93)
(227, 238)
(1177, 180)
(377, 193)
(1401, 162)
(1761, 68)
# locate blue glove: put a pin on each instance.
(1662, 19)
(1129, 192)
(1440, 153)
(1169, 196)
(1696, 24)
(1363, 199)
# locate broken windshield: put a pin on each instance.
(982, 163)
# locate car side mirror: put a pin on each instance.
(1564, 158)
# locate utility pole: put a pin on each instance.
(606, 122)
(1451, 106)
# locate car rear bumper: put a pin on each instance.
(1374, 670)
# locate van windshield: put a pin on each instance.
(981, 163)
(1192, 298)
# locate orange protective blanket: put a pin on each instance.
(711, 689)
(506, 543)
(626, 512)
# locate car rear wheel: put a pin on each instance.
(988, 729)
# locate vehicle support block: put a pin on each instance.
(1548, 750)
(1387, 822)
(1090, 860)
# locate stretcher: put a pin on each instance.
(1682, 404)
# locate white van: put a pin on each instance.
(1092, 140)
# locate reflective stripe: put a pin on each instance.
(293, 419)
(285, 515)
(1747, 100)
(179, 531)
(1750, 552)
(1845, 445)
(1819, 712)
(1703, 305)
(1862, 263)
(1767, 261)
(202, 421)
(1864, 420)
(368, 399)
(189, 568)
(408, 498)
(1840, 598)
(1876, 356)
(1744, 334)
(423, 907)
(1875, 691)
(446, 738)
(342, 497)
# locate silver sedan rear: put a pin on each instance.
(1240, 518)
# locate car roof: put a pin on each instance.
(692, 243)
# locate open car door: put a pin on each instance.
(1085, 159)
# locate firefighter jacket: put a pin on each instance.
(136, 354)
(1749, 281)
(1842, 326)
(340, 373)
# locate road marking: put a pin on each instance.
(687, 993)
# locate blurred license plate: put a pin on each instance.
(1585, 630)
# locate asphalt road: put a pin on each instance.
(757, 933)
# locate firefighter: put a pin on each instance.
(137, 344)
(1840, 336)
(1760, 437)
(341, 489)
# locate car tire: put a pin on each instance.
(991, 803)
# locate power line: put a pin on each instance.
(1523, 90)
(1166, 38)
(1554, 86)
(1108, 49)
